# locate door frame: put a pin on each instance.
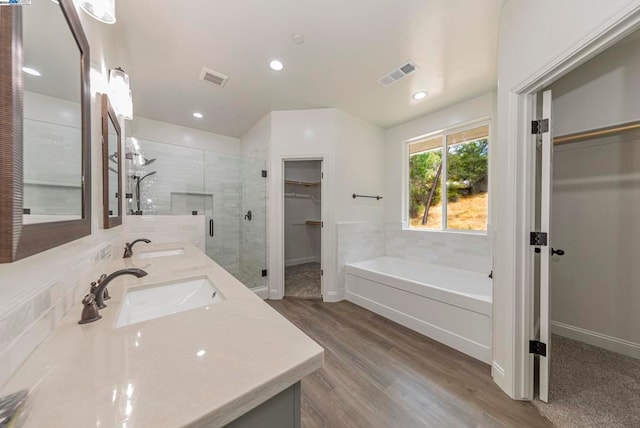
(521, 111)
(324, 256)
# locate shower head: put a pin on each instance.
(142, 161)
(146, 162)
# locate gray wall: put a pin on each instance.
(601, 92)
(596, 206)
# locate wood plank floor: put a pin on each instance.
(379, 374)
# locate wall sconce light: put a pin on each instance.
(102, 10)
(120, 94)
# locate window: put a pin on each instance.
(448, 190)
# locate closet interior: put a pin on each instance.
(595, 219)
(303, 228)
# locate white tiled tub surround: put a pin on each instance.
(28, 318)
(357, 242)
(419, 281)
(165, 229)
(469, 251)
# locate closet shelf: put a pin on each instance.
(313, 223)
(303, 183)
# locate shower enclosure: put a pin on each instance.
(222, 188)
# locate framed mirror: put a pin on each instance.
(111, 166)
(45, 129)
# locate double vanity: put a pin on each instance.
(185, 345)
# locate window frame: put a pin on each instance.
(443, 133)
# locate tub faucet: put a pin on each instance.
(128, 247)
(99, 292)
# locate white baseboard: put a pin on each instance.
(262, 292)
(600, 340)
(499, 376)
(299, 261)
(332, 297)
(274, 294)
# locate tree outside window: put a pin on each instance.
(463, 177)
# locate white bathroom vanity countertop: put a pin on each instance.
(203, 367)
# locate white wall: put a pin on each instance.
(163, 132)
(300, 134)
(353, 155)
(528, 43)
(361, 167)
(481, 107)
(595, 292)
(602, 92)
(256, 141)
(36, 292)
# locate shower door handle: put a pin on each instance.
(211, 227)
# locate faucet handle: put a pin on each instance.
(90, 311)
(95, 285)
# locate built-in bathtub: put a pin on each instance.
(450, 305)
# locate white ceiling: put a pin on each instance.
(348, 45)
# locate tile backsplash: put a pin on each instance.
(368, 240)
(357, 242)
(468, 251)
(27, 318)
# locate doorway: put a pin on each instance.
(303, 229)
(586, 301)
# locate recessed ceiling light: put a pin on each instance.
(31, 71)
(419, 95)
(198, 115)
(276, 65)
(298, 39)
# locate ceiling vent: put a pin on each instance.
(214, 77)
(398, 73)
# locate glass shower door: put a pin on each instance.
(235, 239)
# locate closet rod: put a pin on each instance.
(597, 133)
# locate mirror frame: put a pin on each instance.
(19, 240)
(109, 114)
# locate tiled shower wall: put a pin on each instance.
(165, 229)
(220, 187)
(222, 180)
(253, 245)
(52, 157)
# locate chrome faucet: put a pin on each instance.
(128, 247)
(99, 292)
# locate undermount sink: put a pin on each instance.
(159, 300)
(161, 253)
